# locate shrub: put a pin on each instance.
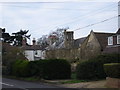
(56, 69)
(36, 68)
(112, 70)
(47, 69)
(93, 68)
(20, 68)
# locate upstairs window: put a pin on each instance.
(118, 39)
(110, 40)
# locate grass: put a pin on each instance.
(72, 81)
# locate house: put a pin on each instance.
(113, 45)
(33, 52)
(94, 44)
(69, 49)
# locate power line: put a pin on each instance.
(95, 23)
(87, 14)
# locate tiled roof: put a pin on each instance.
(118, 32)
(79, 41)
(102, 38)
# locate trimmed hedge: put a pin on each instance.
(20, 68)
(47, 69)
(56, 69)
(93, 68)
(112, 70)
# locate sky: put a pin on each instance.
(41, 17)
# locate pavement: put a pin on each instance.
(91, 84)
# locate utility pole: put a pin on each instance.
(118, 14)
(0, 57)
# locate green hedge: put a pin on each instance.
(93, 68)
(112, 70)
(47, 69)
(20, 68)
(56, 69)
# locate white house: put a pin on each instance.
(33, 52)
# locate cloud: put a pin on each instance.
(41, 18)
(59, 0)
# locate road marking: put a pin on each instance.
(6, 84)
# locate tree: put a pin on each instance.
(15, 38)
(6, 36)
(9, 55)
(58, 34)
(18, 37)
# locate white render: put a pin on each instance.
(31, 54)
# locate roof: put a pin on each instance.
(79, 41)
(118, 32)
(33, 47)
(102, 38)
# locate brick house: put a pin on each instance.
(113, 43)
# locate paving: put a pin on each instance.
(92, 84)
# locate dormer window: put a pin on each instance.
(118, 39)
(110, 40)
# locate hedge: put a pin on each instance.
(112, 70)
(93, 68)
(56, 69)
(47, 69)
(20, 68)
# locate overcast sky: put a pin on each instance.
(41, 17)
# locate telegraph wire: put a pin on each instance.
(95, 23)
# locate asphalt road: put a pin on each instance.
(23, 85)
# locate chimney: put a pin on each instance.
(34, 41)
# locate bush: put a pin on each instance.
(47, 69)
(36, 68)
(20, 68)
(112, 70)
(93, 68)
(56, 69)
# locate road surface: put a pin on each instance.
(23, 85)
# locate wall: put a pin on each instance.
(90, 47)
(31, 53)
(112, 49)
(68, 54)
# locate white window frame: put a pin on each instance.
(110, 40)
(118, 39)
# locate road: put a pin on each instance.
(23, 85)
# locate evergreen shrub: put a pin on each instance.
(20, 68)
(56, 69)
(47, 69)
(112, 70)
(93, 68)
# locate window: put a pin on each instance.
(110, 40)
(118, 39)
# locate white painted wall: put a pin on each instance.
(31, 53)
